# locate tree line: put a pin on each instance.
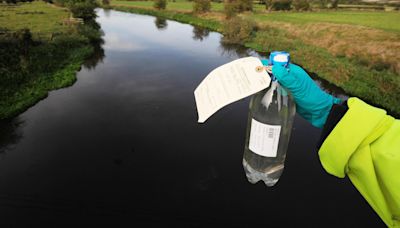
(236, 6)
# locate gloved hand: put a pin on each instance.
(312, 103)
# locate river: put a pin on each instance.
(122, 146)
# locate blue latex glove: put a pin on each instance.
(312, 103)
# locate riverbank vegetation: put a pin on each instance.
(355, 50)
(42, 45)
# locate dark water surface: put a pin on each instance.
(122, 146)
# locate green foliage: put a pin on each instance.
(281, 4)
(92, 33)
(380, 88)
(301, 5)
(376, 87)
(245, 5)
(232, 7)
(238, 30)
(82, 8)
(26, 77)
(201, 6)
(17, 1)
(323, 3)
(29, 66)
(334, 4)
(268, 4)
(160, 4)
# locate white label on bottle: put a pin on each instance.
(264, 138)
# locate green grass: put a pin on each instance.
(42, 19)
(380, 88)
(178, 5)
(389, 21)
(28, 73)
(37, 88)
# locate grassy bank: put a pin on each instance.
(361, 60)
(41, 48)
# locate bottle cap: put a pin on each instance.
(279, 57)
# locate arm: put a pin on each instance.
(358, 141)
(312, 103)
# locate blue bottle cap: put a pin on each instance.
(279, 57)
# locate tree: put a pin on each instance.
(201, 6)
(301, 5)
(245, 5)
(323, 4)
(160, 4)
(268, 4)
(334, 4)
(281, 4)
(232, 7)
(82, 8)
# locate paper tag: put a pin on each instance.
(229, 83)
(264, 138)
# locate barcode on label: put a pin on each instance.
(271, 133)
(264, 138)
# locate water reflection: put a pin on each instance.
(160, 23)
(234, 50)
(98, 54)
(10, 133)
(107, 13)
(96, 57)
(200, 33)
(122, 146)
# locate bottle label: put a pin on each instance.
(264, 138)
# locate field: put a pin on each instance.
(388, 21)
(41, 50)
(355, 50)
(40, 18)
(380, 20)
(179, 5)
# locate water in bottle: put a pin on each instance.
(270, 120)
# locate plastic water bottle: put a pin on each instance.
(269, 126)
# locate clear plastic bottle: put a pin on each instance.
(269, 126)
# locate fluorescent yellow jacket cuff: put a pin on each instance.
(365, 145)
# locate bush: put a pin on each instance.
(281, 4)
(201, 6)
(238, 31)
(245, 5)
(160, 4)
(230, 8)
(301, 5)
(83, 8)
(334, 4)
(92, 33)
(268, 4)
